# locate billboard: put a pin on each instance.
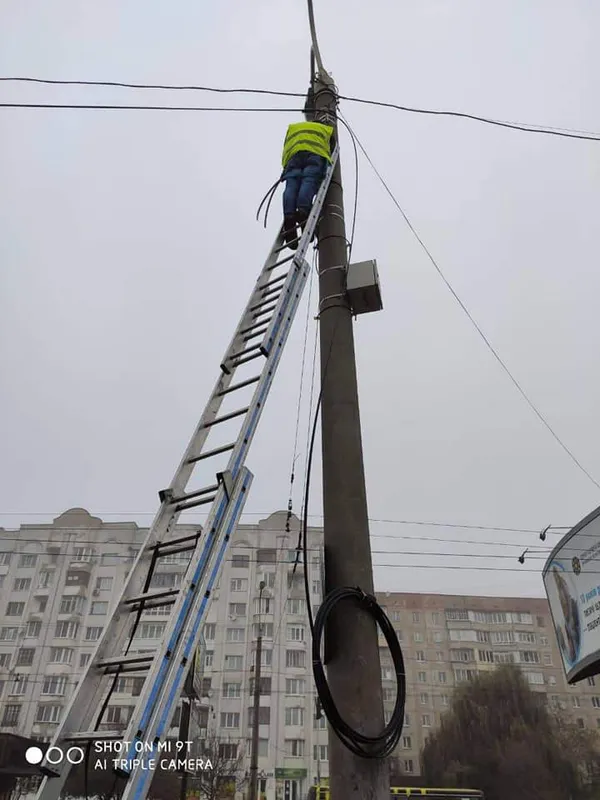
(572, 582)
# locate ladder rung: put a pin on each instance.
(140, 662)
(244, 352)
(160, 594)
(209, 453)
(261, 313)
(259, 332)
(272, 282)
(283, 261)
(194, 503)
(233, 389)
(245, 360)
(175, 543)
(264, 300)
(225, 417)
(254, 325)
(198, 493)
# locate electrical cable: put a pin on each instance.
(483, 336)
(313, 36)
(570, 133)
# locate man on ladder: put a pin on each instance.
(306, 153)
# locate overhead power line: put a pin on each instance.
(479, 330)
(568, 133)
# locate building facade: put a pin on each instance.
(58, 583)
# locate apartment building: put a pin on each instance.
(58, 582)
(448, 639)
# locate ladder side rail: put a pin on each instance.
(191, 638)
(92, 685)
(140, 779)
(182, 610)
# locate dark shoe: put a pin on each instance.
(290, 233)
(302, 217)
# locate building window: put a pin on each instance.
(33, 630)
(98, 608)
(552, 680)
(264, 715)
(27, 560)
(235, 635)
(416, 617)
(547, 659)
(436, 618)
(265, 686)
(424, 698)
(266, 658)
(236, 610)
(406, 742)
(426, 720)
(22, 584)
(464, 675)
(240, 561)
(387, 674)
(94, 632)
(268, 578)
(541, 622)
(208, 658)
(84, 659)
(266, 556)
(389, 694)
(296, 606)
(8, 634)
(209, 632)
(71, 605)
(544, 641)
(294, 747)
(320, 752)
(580, 722)
(61, 655)
(228, 750)
(295, 686)
(535, 678)
(529, 657)
(5, 660)
(576, 702)
(66, 630)
(238, 585)
(104, 584)
(56, 684)
(5, 559)
(264, 629)
(233, 663)
(406, 720)
(294, 716)
(408, 765)
(457, 615)
(15, 609)
(418, 637)
(445, 700)
(10, 718)
(295, 658)
(25, 656)
(232, 689)
(437, 637)
(18, 686)
(295, 633)
(263, 605)
(41, 602)
(442, 677)
(420, 655)
(596, 702)
(230, 720)
(486, 655)
(422, 677)
(591, 681)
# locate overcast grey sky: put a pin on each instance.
(129, 246)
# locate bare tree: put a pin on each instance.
(222, 774)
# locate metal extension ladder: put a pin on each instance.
(267, 319)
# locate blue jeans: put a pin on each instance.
(303, 175)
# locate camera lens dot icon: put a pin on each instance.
(33, 755)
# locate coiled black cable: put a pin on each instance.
(383, 744)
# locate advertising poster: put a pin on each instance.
(572, 582)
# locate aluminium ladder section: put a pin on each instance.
(156, 706)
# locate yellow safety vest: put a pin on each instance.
(308, 136)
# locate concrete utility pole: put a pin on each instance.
(255, 714)
(353, 667)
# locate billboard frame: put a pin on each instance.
(590, 665)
